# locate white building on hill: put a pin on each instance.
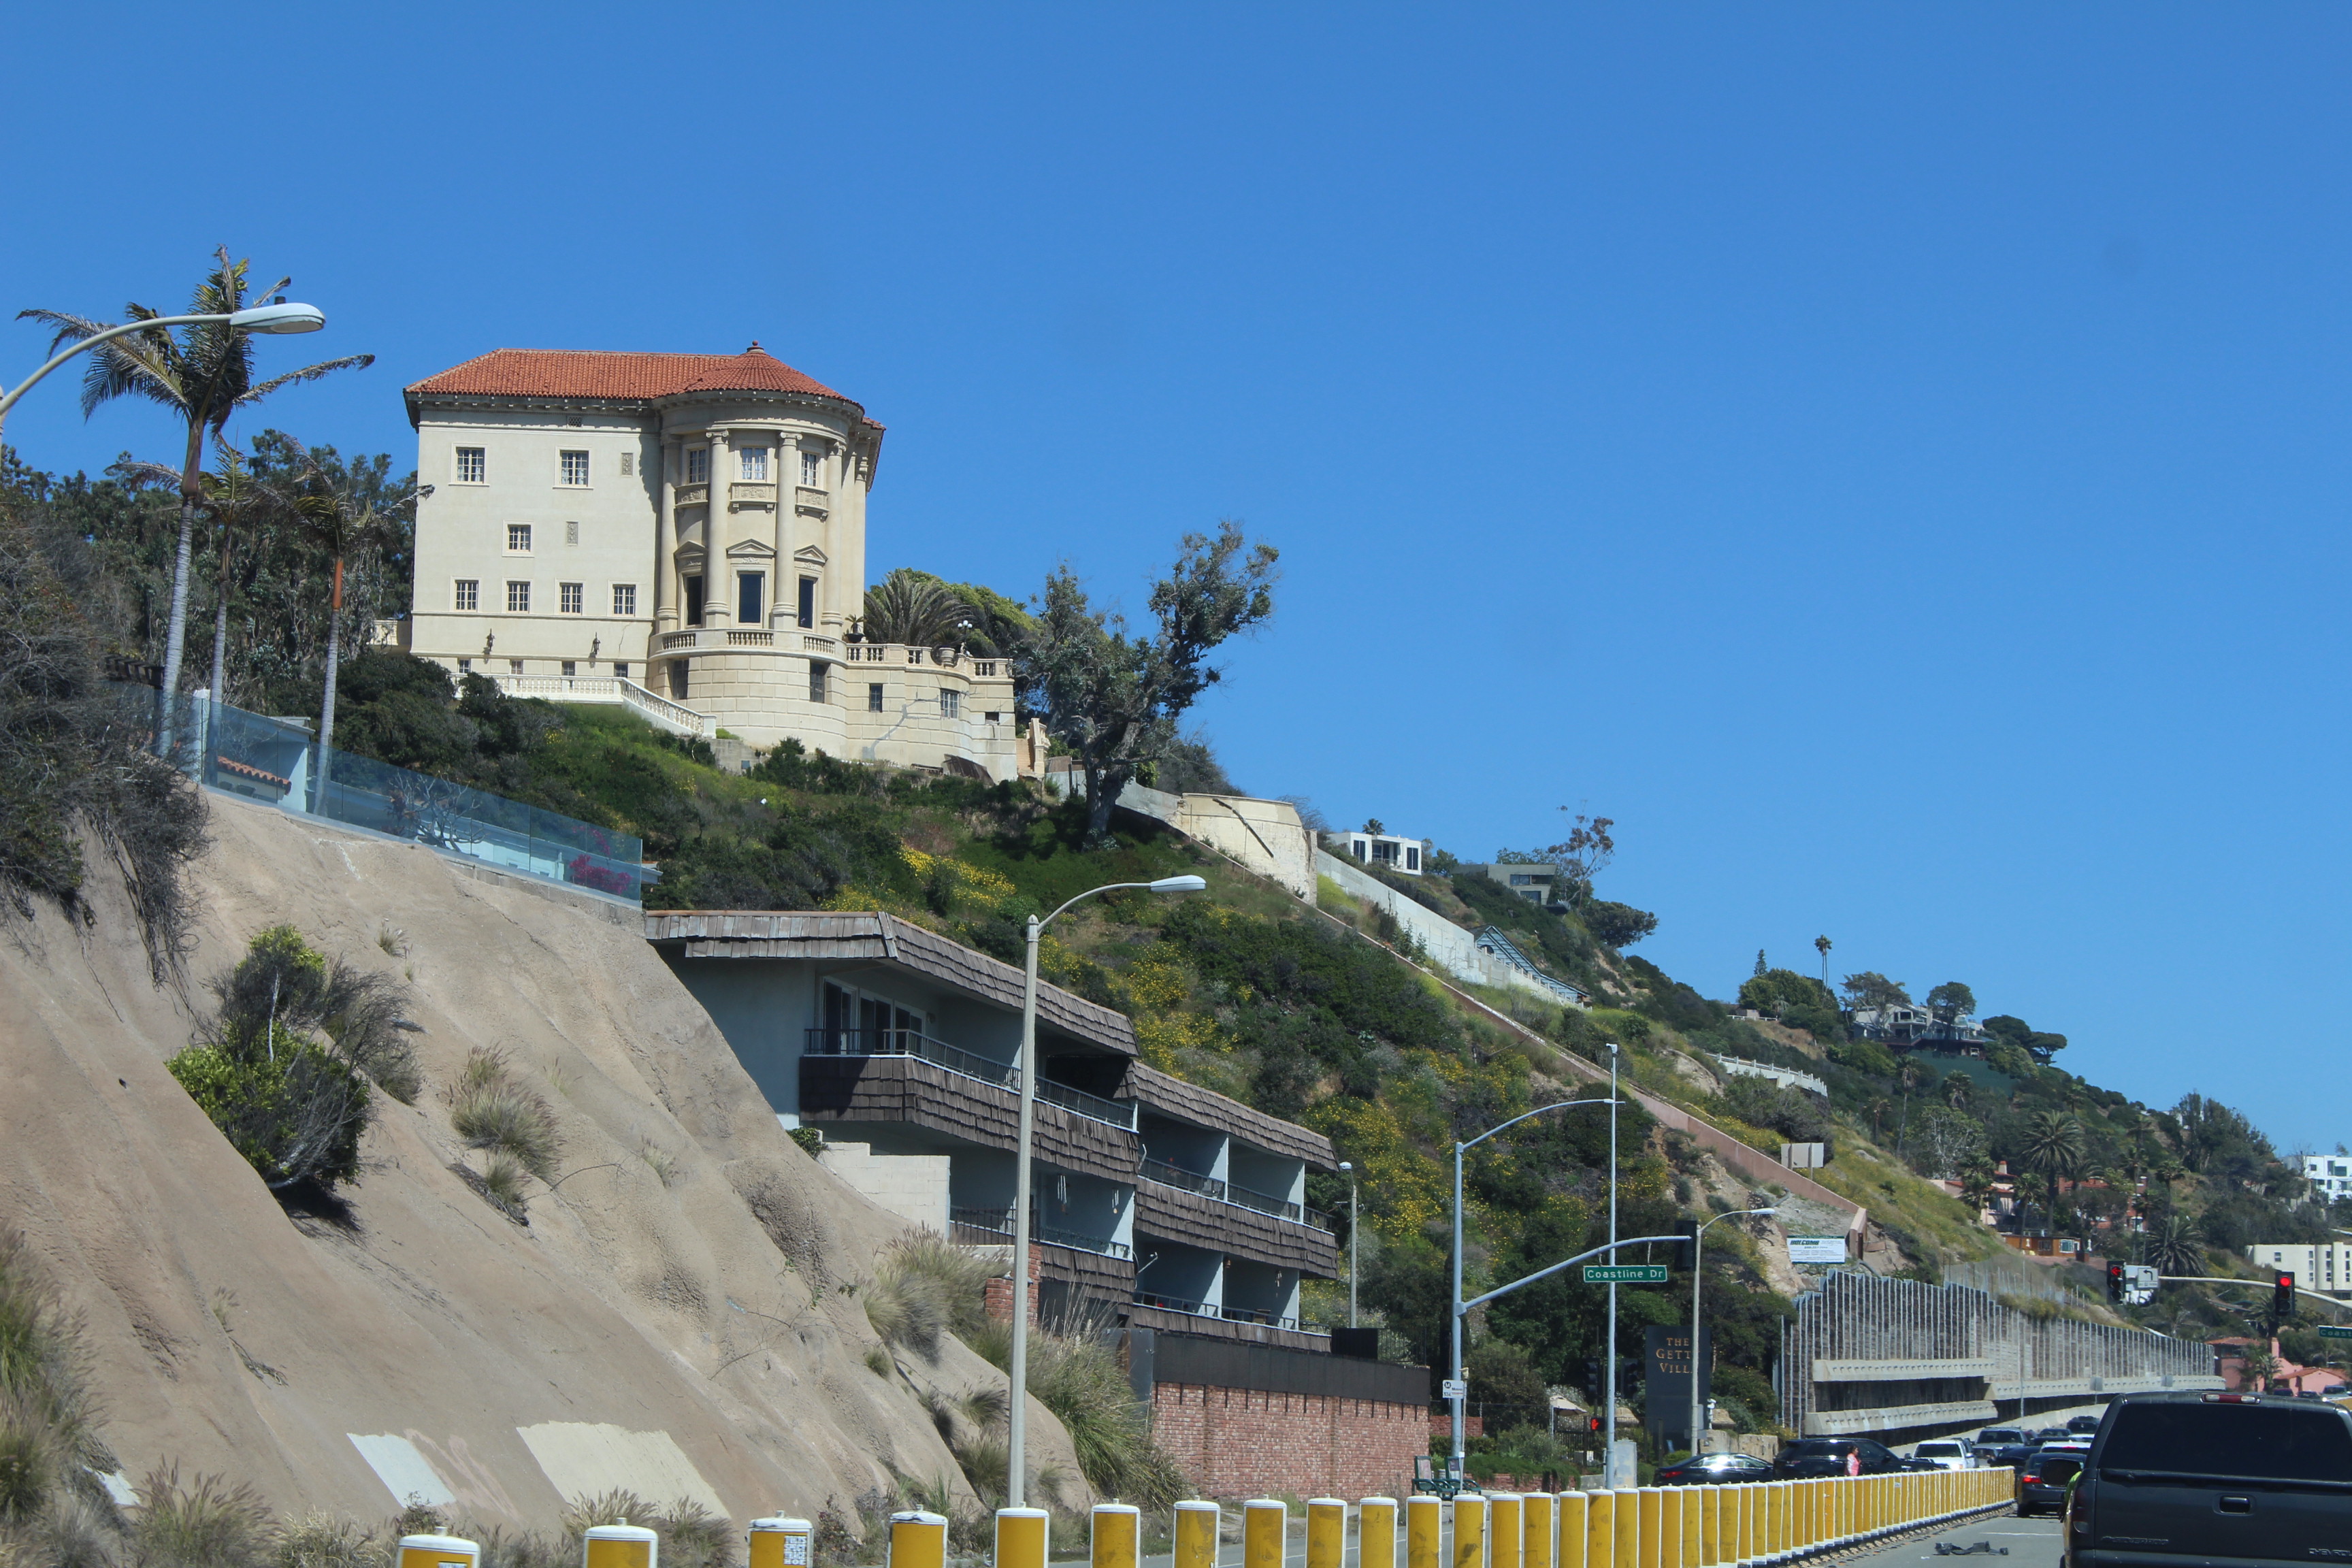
(685, 533)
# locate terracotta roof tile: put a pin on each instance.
(594, 373)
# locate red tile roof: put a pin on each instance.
(594, 372)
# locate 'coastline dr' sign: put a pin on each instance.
(1624, 1274)
(1817, 1250)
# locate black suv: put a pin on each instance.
(1809, 1458)
(2209, 1478)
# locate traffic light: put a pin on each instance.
(1685, 1249)
(1595, 1426)
(2282, 1296)
(2115, 1283)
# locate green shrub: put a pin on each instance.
(291, 1107)
(208, 1525)
(282, 977)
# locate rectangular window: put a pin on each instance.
(465, 667)
(812, 469)
(575, 469)
(754, 465)
(518, 598)
(571, 533)
(571, 598)
(625, 598)
(517, 538)
(692, 583)
(628, 464)
(750, 596)
(621, 668)
(469, 594)
(807, 609)
(992, 718)
(473, 464)
(951, 703)
(677, 680)
(1412, 859)
(818, 669)
(874, 696)
(698, 466)
(514, 667)
(570, 669)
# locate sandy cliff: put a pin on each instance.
(699, 1335)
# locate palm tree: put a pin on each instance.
(1821, 946)
(341, 522)
(1958, 1089)
(915, 608)
(235, 499)
(1879, 1108)
(2171, 1243)
(2053, 1148)
(204, 373)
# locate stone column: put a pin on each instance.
(718, 576)
(783, 591)
(668, 611)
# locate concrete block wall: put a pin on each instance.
(1455, 950)
(912, 1187)
(1244, 1443)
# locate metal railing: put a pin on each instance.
(1171, 1176)
(824, 1042)
(995, 1222)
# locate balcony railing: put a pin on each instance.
(1210, 1310)
(993, 1223)
(823, 1042)
(1169, 1176)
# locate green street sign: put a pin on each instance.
(1624, 1274)
(2335, 1331)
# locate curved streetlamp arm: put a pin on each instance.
(2261, 1284)
(1538, 1111)
(8, 401)
(1082, 898)
(1464, 1310)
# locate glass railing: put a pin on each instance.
(824, 1042)
(277, 763)
(1167, 1175)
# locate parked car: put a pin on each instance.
(1947, 1454)
(2084, 1425)
(2050, 1435)
(2199, 1478)
(1999, 1436)
(1713, 1469)
(2042, 1483)
(1809, 1458)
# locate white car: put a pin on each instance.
(1948, 1453)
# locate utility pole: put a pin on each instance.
(1608, 1401)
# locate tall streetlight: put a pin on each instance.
(1609, 1373)
(1698, 1247)
(278, 316)
(1347, 1169)
(1016, 1425)
(1461, 1378)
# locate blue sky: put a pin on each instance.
(1889, 459)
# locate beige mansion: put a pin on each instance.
(684, 533)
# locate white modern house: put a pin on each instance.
(1385, 851)
(685, 533)
(2330, 1174)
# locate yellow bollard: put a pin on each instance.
(1265, 1532)
(1424, 1531)
(1626, 1537)
(1376, 1541)
(1742, 1529)
(1021, 1537)
(1505, 1512)
(1691, 1504)
(918, 1540)
(1662, 1534)
(1601, 1529)
(1538, 1530)
(623, 1545)
(1575, 1529)
(1710, 1519)
(782, 1542)
(1327, 1533)
(1115, 1537)
(1195, 1546)
(442, 1552)
(1470, 1530)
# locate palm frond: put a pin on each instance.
(138, 471)
(144, 365)
(70, 328)
(308, 372)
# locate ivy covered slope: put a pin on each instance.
(1319, 1014)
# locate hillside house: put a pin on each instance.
(1385, 851)
(684, 533)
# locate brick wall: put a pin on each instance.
(1237, 1442)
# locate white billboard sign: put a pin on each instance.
(1817, 1250)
